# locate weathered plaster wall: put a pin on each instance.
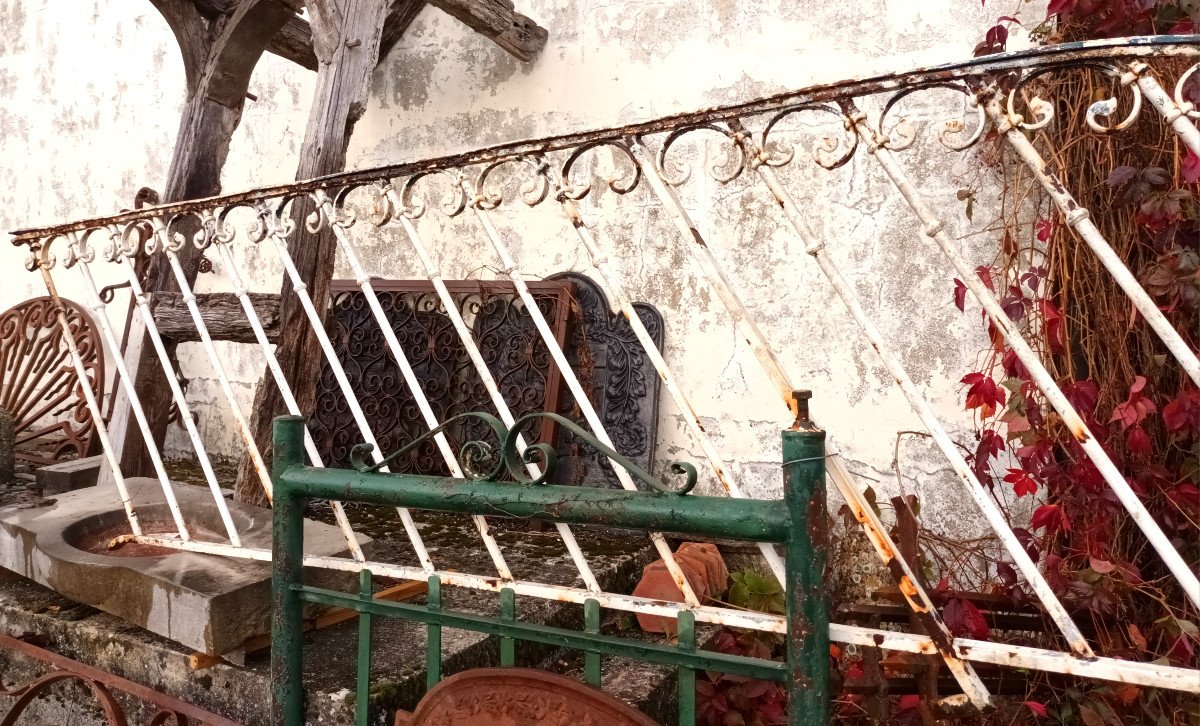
(90, 110)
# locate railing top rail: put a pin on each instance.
(1064, 55)
(753, 520)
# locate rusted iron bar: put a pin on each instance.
(124, 685)
(1065, 55)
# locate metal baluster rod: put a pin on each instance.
(923, 606)
(1139, 72)
(585, 405)
(1077, 218)
(97, 305)
(410, 377)
(93, 405)
(612, 280)
(189, 299)
(935, 228)
(763, 352)
(185, 411)
(434, 274)
(300, 288)
(285, 390)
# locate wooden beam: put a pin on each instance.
(222, 314)
(402, 14)
(499, 21)
(294, 42)
(346, 38)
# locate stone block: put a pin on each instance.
(207, 603)
(67, 476)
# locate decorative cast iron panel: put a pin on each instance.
(38, 386)
(623, 384)
(511, 347)
(600, 346)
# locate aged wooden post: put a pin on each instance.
(219, 54)
(347, 37)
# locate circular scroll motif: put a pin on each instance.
(38, 385)
(519, 697)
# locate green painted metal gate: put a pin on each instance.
(798, 523)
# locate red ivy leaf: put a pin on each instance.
(990, 444)
(983, 394)
(1137, 443)
(964, 619)
(1033, 277)
(1022, 483)
(1083, 395)
(1191, 167)
(1044, 229)
(1136, 408)
(1183, 412)
(1187, 26)
(1121, 175)
(1052, 517)
(1037, 708)
(960, 294)
(1053, 321)
(985, 274)
(1013, 367)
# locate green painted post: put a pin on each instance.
(687, 676)
(287, 553)
(807, 553)
(433, 635)
(362, 706)
(508, 613)
(591, 624)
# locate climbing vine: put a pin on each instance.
(1135, 400)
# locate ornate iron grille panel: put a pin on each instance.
(510, 345)
(613, 367)
(38, 385)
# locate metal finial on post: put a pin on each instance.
(801, 398)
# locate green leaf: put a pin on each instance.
(753, 590)
(869, 495)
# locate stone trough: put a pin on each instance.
(206, 603)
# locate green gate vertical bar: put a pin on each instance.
(433, 635)
(508, 613)
(362, 689)
(287, 552)
(591, 624)
(687, 676)
(807, 553)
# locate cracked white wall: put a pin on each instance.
(91, 109)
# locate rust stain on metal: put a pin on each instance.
(98, 680)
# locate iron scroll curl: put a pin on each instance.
(508, 455)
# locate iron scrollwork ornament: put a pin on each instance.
(507, 456)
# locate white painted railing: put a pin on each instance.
(552, 175)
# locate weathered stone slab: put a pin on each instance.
(67, 476)
(204, 602)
